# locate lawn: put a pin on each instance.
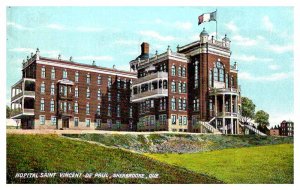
(51, 153)
(271, 164)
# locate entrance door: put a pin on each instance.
(65, 123)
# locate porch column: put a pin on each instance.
(232, 126)
(231, 106)
(223, 106)
(216, 108)
(223, 124)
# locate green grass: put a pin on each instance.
(51, 153)
(262, 164)
(180, 143)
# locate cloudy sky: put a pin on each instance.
(262, 42)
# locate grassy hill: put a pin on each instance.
(262, 164)
(179, 143)
(51, 153)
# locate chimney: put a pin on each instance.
(144, 48)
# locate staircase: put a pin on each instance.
(209, 127)
(256, 131)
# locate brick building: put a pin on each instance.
(286, 128)
(55, 94)
(194, 89)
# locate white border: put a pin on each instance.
(212, 3)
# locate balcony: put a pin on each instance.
(29, 94)
(18, 113)
(158, 75)
(156, 93)
(23, 88)
(216, 91)
(66, 97)
(65, 113)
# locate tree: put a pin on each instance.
(248, 109)
(262, 119)
(8, 112)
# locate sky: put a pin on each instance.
(261, 42)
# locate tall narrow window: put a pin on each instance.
(99, 94)
(219, 72)
(130, 112)
(173, 118)
(173, 70)
(226, 80)
(180, 120)
(87, 108)
(118, 83)
(87, 122)
(173, 86)
(76, 76)
(43, 88)
(98, 109)
(65, 74)
(52, 73)
(108, 110)
(173, 104)
(118, 97)
(196, 75)
(42, 106)
(184, 87)
(184, 104)
(232, 82)
(183, 72)
(210, 80)
(76, 107)
(179, 71)
(179, 104)
(43, 72)
(52, 105)
(118, 111)
(88, 78)
(109, 96)
(109, 82)
(76, 92)
(42, 120)
(88, 92)
(99, 80)
(179, 87)
(125, 84)
(52, 89)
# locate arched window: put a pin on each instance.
(179, 71)
(88, 93)
(219, 72)
(173, 70)
(173, 86)
(76, 107)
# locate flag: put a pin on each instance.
(207, 17)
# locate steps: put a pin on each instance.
(209, 127)
(256, 131)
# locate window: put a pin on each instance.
(52, 105)
(179, 87)
(184, 87)
(109, 123)
(183, 72)
(152, 104)
(76, 76)
(65, 74)
(109, 82)
(160, 104)
(118, 111)
(99, 80)
(130, 112)
(52, 89)
(173, 104)
(52, 73)
(179, 104)
(42, 120)
(109, 96)
(184, 120)
(125, 84)
(88, 78)
(65, 107)
(118, 83)
(88, 92)
(180, 120)
(184, 104)
(43, 72)
(76, 107)
(108, 110)
(196, 104)
(43, 88)
(173, 86)
(87, 122)
(118, 124)
(53, 120)
(118, 97)
(163, 119)
(98, 123)
(42, 104)
(226, 81)
(196, 75)
(76, 92)
(76, 121)
(219, 72)
(99, 94)
(152, 120)
(98, 109)
(179, 71)
(87, 108)
(173, 70)
(232, 82)
(210, 82)
(173, 119)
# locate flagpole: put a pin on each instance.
(216, 26)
